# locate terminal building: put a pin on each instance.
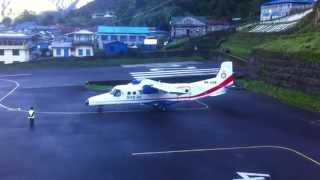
(15, 48)
(132, 36)
(275, 9)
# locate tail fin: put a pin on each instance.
(225, 72)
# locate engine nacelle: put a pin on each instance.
(147, 89)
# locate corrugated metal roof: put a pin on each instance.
(14, 36)
(61, 44)
(124, 30)
(272, 2)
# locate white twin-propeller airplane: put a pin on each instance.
(161, 95)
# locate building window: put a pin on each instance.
(88, 52)
(141, 38)
(59, 51)
(16, 52)
(133, 38)
(123, 38)
(104, 37)
(1, 52)
(114, 38)
(80, 52)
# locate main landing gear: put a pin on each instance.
(160, 107)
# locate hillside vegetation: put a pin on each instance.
(243, 44)
(157, 13)
(302, 42)
(288, 96)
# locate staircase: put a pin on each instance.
(277, 25)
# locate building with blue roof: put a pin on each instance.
(131, 36)
(274, 9)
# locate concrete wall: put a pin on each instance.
(8, 57)
(285, 72)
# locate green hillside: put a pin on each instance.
(158, 12)
(302, 42)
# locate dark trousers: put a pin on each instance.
(31, 122)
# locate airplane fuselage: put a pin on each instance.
(161, 94)
(132, 93)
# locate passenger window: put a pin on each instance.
(134, 93)
(129, 93)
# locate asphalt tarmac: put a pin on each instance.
(240, 135)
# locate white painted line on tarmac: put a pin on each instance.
(75, 113)
(172, 68)
(171, 64)
(175, 71)
(177, 75)
(300, 154)
(13, 75)
(8, 94)
(252, 176)
(204, 107)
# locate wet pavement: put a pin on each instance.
(240, 132)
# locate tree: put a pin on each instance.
(4, 8)
(7, 21)
(60, 4)
(48, 19)
(26, 16)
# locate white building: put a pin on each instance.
(61, 49)
(81, 36)
(77, 44)
(14, 48)
(82, 50)
(188, 26)
(275, 9)
(68, 49)
(105, 15)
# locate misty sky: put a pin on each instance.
(37, 6)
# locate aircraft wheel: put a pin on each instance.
(155, 106)
(163, 108)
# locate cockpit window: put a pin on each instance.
(116, 93)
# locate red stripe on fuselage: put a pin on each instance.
(221, 85)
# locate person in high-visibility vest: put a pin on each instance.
(31, 116)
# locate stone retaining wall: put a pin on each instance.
(285, 72)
